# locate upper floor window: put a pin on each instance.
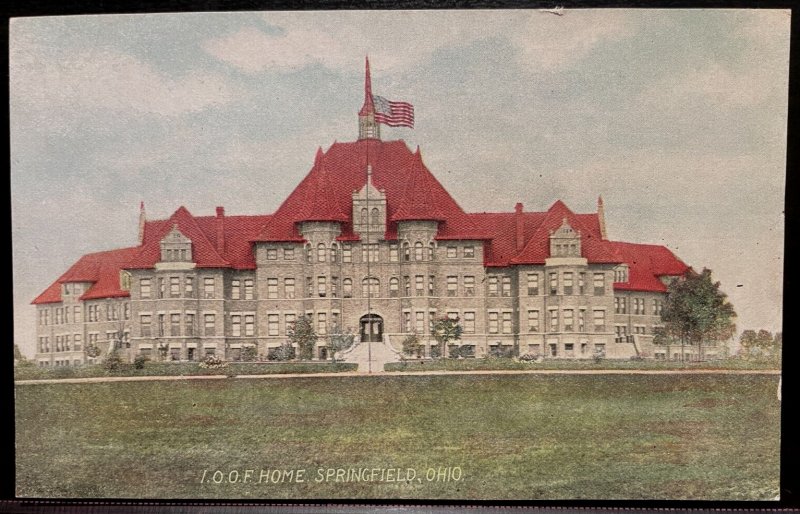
(175, 247)
(369, 252)
(272, 287)
(144, 288)
(334, 252)
(533, 284)
(553, 283)
(309, 254)
(394, 287)
(188, 287)
(506, 282)
(393, 253)
(288, 254)
(469, 252)
(272, 254)
(568, 282)
(370, 286)
(431, 251)
(208, 287)
(376, 217)
(452, 285)
(174, 287)
(493, 291)
(452, 252)
(347, 253)
(288, 287)
(236, 289)
(321, 252)
(248, 288)
(406, 252)
(419, 253)
(364, 216)
(347, 287)
(599, 284)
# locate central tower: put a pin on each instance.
(368, 128)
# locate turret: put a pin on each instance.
(368, 128)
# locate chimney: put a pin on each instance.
(220, 229)
(520, 226)
(142, 220)
(601, 218)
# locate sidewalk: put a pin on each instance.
(94, 380)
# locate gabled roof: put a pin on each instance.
(646, 263)
(100, 268)
(344, 168)
(537, 248)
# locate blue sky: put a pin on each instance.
(678, 118)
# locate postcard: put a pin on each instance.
(467, 255)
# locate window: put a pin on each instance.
(236, 289)
(188, 287)
(322, 323)
(582, 320)
(407, 322)
(334, 287)
(208, 287)
(322, 285)
(420, 322)
(236, 325)
(161, 288)
(249, 324)
(376, 217)
(639, 329)
(334, 253)
(77, 338)
(288, 287)
(322, 252)
(638, 306)
(620, 305)
(419, 251)
(533, 321)
(469, 322)
(394, 287)
(309, 287)
(506, 286)
(209, 324)
(145, 321)
(569, 318)
(335, 320)
(273, 321)
(469, 285)
(599, 317)
(272, 254)
(431, 285)
(452, 285)
(188, 324)
(553, 283)
(452, 252)
(419, 285)
(569, 349)
(272, 287)
(406, 252)
(581, 283)
(309, 254)
(494, 327)
(568, 282)
(370, 286)
(94, 313)
(407, 285)
(506, 322)
(533, 284)
(144, 288)
(347, 288)
(174, 287)
(393, 254)
(469, 252)
(161, 326)
(554, 320)
(248, 289)
(599, 284)
(174, 324)
(347, 253)
(289, 320)
(657, 307)
(492, 285)
(288, 254)
(369, 252)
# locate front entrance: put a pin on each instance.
(371, 328)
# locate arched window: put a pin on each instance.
(419, 254)
(347, 287)
(370, 286)
(376, 217)
(364, 216)
(334, 252)
(309, 254)
(321, 252)
(431, 251)
(406, 251)
(394, 287)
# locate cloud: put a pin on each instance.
(109, 80)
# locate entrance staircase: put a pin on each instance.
(360, 353)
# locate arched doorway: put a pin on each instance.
(371, 328)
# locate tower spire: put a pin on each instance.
(367, 126)
(601, 217)
(142, 220)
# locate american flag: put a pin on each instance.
(394, 114)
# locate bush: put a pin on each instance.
(284, 352)
(113, 362)
(529, 357)
(139, 361)
(411, 345)
(501, 351)
(212, 362)
(249, 353)
(435, 352)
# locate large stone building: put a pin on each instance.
(369, 241)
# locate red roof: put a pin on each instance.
(646, 263)
(100, 268)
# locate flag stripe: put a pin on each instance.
(394, 114)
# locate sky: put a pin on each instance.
(676, 117)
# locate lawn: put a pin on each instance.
(512, 437)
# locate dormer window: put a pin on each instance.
(565, 242)
(621, 273)
(175, 247)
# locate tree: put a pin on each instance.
(411, 344)
(696, 311)
(446, 329)
(340, 341)
(747, 342)
(302, 334)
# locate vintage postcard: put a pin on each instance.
(470, 255)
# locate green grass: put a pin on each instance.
(514, 437)
(506, 363)
(180, 369)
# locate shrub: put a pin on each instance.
(411, 345)
(435, 352)
(113, 362)
(501, 351)
(249, 353)
(139, 361)
(284, 352)
(528, 357)
(454, 351)
(212, 362)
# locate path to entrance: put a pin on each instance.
(420, 373)
(378, 352)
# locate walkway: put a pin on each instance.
(416, 373)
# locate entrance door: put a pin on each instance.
(371, 328)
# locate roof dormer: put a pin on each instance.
(369, 208)
(176, 250)
(565, 241)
